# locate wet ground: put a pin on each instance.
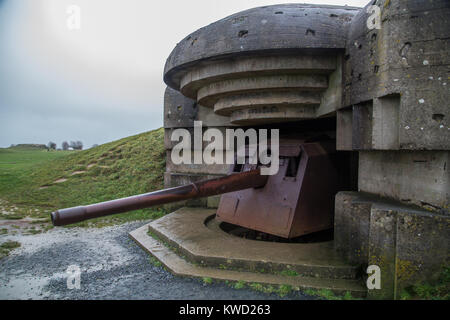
(112, 267)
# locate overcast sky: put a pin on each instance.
(102, 82)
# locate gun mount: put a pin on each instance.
(297, 200)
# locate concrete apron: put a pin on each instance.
(189, 242)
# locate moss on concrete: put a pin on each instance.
(437, 290)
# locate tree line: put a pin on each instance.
(75, 145)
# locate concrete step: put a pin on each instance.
(198, 237)
(181, 267)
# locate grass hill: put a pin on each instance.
(34, 182)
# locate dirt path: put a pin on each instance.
(112, 267)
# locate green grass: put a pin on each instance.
(121, 168)
(239, 285)
(329, 295)
(438, 290)
(7, 247)
(284, 290)
(281, 290)
(155, 262)
(289, 273)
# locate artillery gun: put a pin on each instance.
(298, 200)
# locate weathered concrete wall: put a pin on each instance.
(419, 177)
(351, 226)
(180, 113)
(409, 244)
(396, 78)
(395, 112)
(396, 98)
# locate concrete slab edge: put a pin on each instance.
(207, 260)
(180, 267)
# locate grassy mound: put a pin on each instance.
(37, 181)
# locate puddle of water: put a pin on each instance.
(93, 250)
(25, 287)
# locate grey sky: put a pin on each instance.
(102, 82)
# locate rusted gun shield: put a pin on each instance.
(298, 200)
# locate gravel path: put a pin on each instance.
(112, 267)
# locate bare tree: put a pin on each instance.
(65, 145)
(51, 145)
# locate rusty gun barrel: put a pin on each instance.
(205, 188)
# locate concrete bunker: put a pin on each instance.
(380, 94)
(362, 115)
